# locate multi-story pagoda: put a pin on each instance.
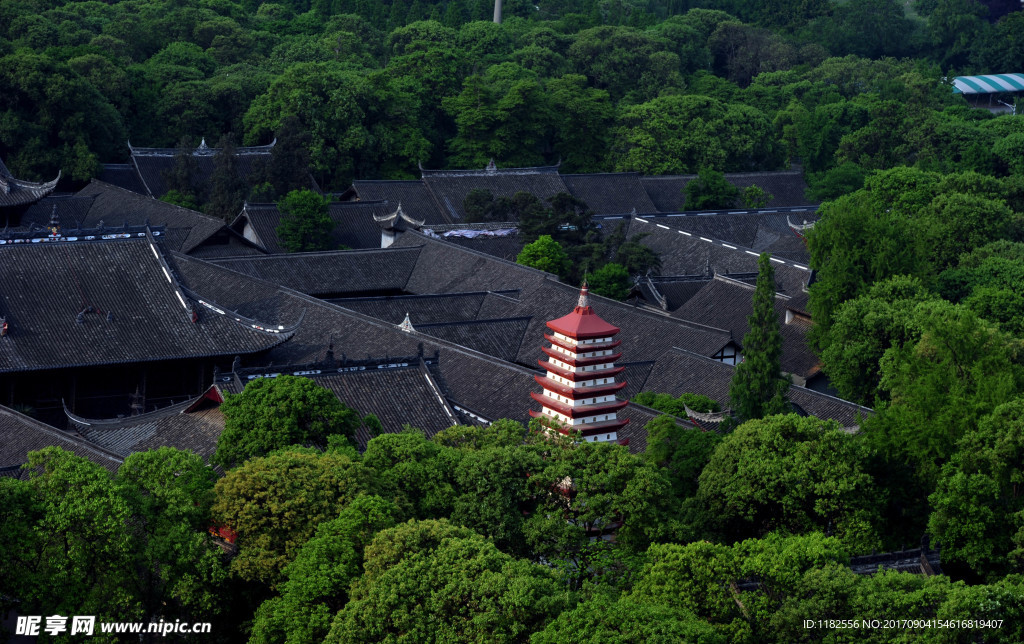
(580, 386)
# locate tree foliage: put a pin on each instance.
(272, 413)
(758, 388)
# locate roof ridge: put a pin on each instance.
(112, 423)
(282, 256)
(53, 431)
(479, 253)
(656, 314)
(363, 317)
(201, 215)
(464, 322)
(422, 296)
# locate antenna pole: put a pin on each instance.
(497, 11)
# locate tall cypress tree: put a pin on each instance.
(758, 388)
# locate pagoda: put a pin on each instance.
(579, 387)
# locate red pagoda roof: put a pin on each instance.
(583, 323)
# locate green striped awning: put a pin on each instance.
(991, 84)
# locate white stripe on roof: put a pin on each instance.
(988, 84)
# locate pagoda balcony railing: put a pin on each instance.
(587, 429)
(576, 376)
(579, 392)
(582, 411)
(580, 362)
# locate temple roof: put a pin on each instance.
(151, 164)
(786, 187)
(193, 424)
(612, 193)
(449, 188)
(20, 435)
(413, 195)
(397, 220)
(677, 372)
(108, 205)
(332, 273)
(424, 309)
(445, 267)
(82, 303)
(399, 391)
(762, 232)
(354, 225)
(685, 253)
(583, 323)
(18, 192)
(727, 304)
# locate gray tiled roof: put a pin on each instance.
(114, 206)
(759, 231)
(507, 248)
(501, 338)
(397, 397)
(787, 188)
(44, 287)
(727, 304)
(190, 425)
(483, 384)
(122, 175)
(71, 210)
(450, 187)
(354, 226)
(152, 163)
(613, 193)
(422, 309)
(445, 267)
(332, 273)
(690, 254)
(414, 197)
(677, 372)
(17, 192)
(20, 435)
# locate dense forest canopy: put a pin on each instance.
(658, 86)
(495, 533)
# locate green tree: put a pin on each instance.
(710, 191)
(67, 549)
(608, 486)
(545, 254)
(978, 513)
(288, 167)
(681, 451)
(864, 328)
(305, 224)
(755, 197)
(414, 471)
(681, 134)
(758, 388)
(431, 582)
(275, 503)
(272, 413)
(178, 570)
(611, 280)
(227, 189)
(793, 474)
(319, 578)
(959, 370)
(605, 618)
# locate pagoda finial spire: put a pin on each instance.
(584, 297)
